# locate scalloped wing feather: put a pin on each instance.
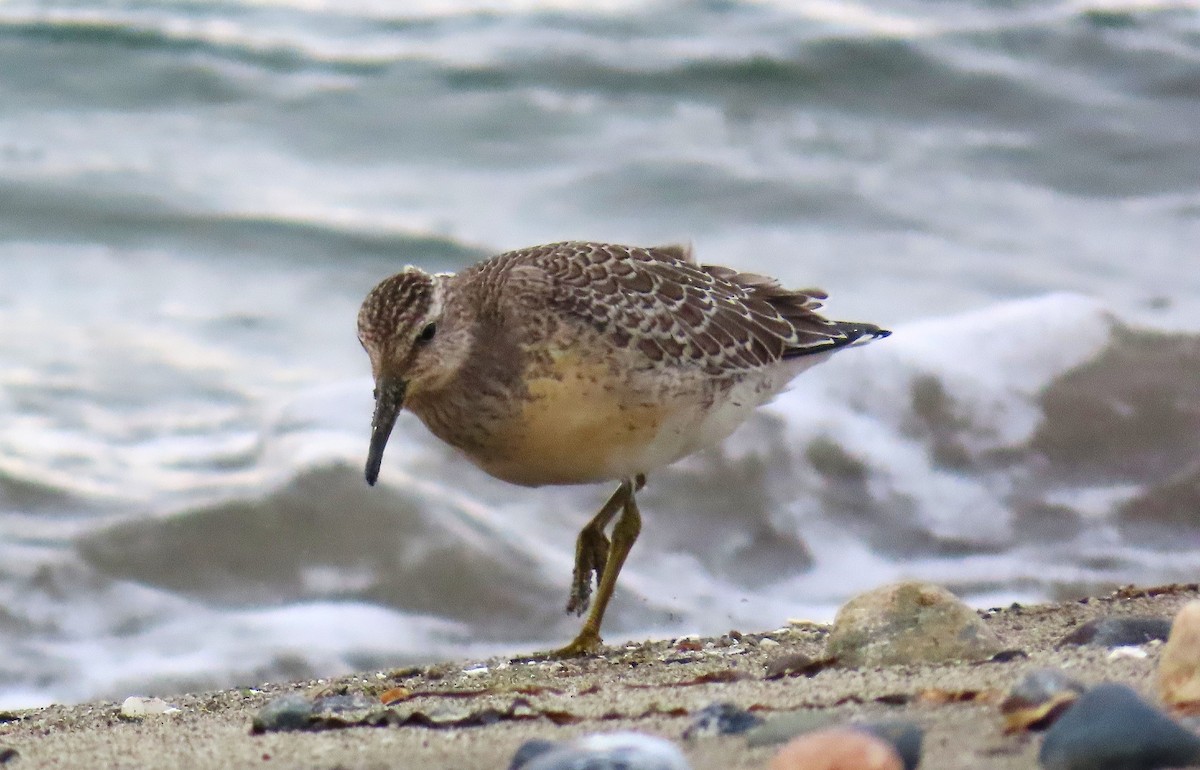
(677, 312)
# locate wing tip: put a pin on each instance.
(856, 331)
(849, 334)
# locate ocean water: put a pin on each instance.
(195, 196)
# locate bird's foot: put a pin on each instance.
(587, 643)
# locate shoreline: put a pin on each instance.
(473, 715)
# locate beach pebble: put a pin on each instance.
(721, 719)
(1119, 631)
(1039, 698)
(909, 622)
(349, 708)
(788, 664)
(781, 728)
(138, 707)
(1179, 665)
(287, 712)
(840, 748)
(8, 754)
(342, 703)
(904, 737)
(530, 750)
(608, 751)
(1111, 728)
(1008, 656)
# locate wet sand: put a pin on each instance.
(652, 687)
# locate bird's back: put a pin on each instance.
(672, 311)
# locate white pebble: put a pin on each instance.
(136, 706)
(610, 751)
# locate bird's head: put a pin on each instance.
(400, 327)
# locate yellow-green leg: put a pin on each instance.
(591, 552)
(625, 533)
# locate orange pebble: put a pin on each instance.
(838, 748)
(1179, 664)
(395, 695)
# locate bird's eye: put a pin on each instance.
(427, 333)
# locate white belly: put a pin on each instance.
(690, 426)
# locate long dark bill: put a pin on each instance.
(389, 399)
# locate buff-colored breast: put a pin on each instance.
(578, 422)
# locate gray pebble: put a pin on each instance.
(721, 719)
(905, 738)
(781, 728)
(1119, 631)
(1111, 728)
(287, 712)
(530, 750)
(334, 705)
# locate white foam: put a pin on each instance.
(241, 644)
(991, 364)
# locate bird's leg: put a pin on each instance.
(625, 532)
(591, 552)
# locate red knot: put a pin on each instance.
(576, 362)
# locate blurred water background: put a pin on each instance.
(195, 196)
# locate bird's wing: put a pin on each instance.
(680, 313)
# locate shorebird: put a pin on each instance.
(576, 362)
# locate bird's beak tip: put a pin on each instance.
(389, 399)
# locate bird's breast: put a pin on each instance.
(573, 418)
(576, 421)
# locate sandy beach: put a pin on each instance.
(474, 714)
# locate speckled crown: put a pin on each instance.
(394, 305)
